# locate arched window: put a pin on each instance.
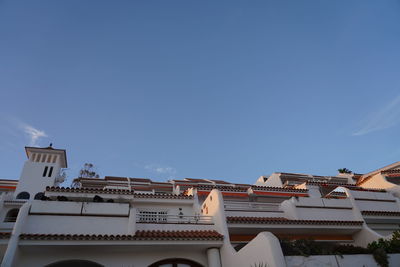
(23, 195)
(39, 196)
(11, 215)
(75, 263)
(175, 263)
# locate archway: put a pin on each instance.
(176, 262)
(75, 263)
(23, 195)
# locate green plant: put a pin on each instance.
(379, 249)
(381, 257)
(344, 170)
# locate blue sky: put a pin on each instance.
(208, 89)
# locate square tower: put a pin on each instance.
(41, 169)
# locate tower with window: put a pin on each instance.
(41, 169)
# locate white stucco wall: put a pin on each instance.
(264, 248)
(304, 208)
(108, 256)
(49, 224)
(339, 261)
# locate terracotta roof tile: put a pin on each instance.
(89, 190)
(349, 186)
(284, 189)
(397, 171)
(221, 188)
(157, 234)
(280, 220)
(140, 235)
(115, 191)
(220, 182)
(380, 213)
(161, 195)
(197, 180)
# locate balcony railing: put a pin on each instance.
(179, 219)
(250, 206)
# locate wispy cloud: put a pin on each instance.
(33, 134)
(154, 168)
(15, 130)
(384, 118)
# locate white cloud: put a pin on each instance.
(384, 118)
(15, 131)
(33, 134)
(160, 169)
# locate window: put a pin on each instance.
(152, 216)
(23, 195)
(39, 196)
(51, 171)
(45, 171)
(11, 215)
(175, 263)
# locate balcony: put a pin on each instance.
(250, 206)
(173, 219)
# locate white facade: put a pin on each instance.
(121, 221)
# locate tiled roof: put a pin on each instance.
(328, 183)
(88, 190)
(161, 195)
(221, 188)
(380, 213)
(280, 220)
(220, 182)
(157, 234)
(271, 188)
(4, 235)
(197, 180)
(349, 186)
(140, 235)
(391, 171)
(115, 191)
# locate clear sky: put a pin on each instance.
(208, 89)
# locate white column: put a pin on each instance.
(132, 220)
(9, 256)
(213, 257)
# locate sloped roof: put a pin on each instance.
(281, 220)
(139, 235)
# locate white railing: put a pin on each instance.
(250, 206)
(165, 218)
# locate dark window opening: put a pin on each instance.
(51, 171)
(45, 171)
(175, 263)
(11, 215)
(39, 196)
(23, 195)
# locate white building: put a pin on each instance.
(122, 221)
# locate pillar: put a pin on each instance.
(213, 257)
(9, 256)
